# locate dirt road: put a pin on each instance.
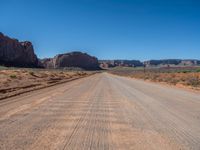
(102, 112)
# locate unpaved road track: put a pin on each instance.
(102, 111)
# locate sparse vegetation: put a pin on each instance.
(2, 67)
(13, 76)
(14, 80)
(193, 81)
(31, 73)
(180, 76)
(185, 71)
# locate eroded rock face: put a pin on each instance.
(47, 63)
(16, 54)
(73, 59)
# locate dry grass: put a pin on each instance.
(187, 79)
(179, 78)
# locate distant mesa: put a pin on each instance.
(16, 54)
(121, 63)
(21, 54)
(173, 62)
(149, 63)
(73, 59)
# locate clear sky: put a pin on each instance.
(107, 29)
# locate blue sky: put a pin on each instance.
(107, 29)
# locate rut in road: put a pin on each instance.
(102, 111)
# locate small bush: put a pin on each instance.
(13, 76)
(193, 81)
(186, 71)
(31, 73)
(173, 81)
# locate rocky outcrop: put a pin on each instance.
(16, 54)
(73, 59)
(190, 62)
(124, 63)
(128, 63)
(47, 63)
(163, 62)
(175, 62)
(137, 63)
(21, 54)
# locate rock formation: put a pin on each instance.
(16, 54)
(73, 59)
(174, 62)
(124, 63)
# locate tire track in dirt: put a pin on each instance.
(102, 111)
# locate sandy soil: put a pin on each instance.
(102, 111)
(14, 82)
